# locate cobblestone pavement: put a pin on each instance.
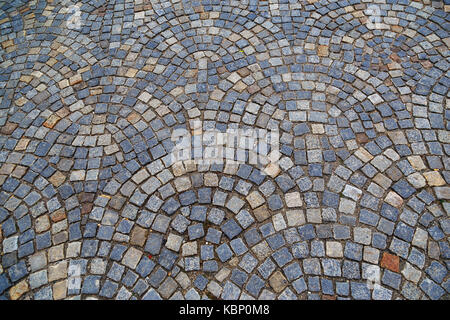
(93, 207)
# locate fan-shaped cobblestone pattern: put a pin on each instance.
(93, 206)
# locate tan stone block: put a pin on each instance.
(394, 199)
(295, 218)
(63, 112)
(7, 43)
(21, 101)
(75, 79)
(138, 236)
(51, 121)
(42, 224)
(442, 192)
(22, 144)
(41, 87)
(57, 271)
(56, 253)
(162, 110)
(131, 73)
(26, 78)
(334, 249)
(417, 180)
(57, 178)
(211, 179)
(51, 62)
(178, 169)
(60, 290)
(58, 215)
(416, 162)
(240, 86)
(8, 128)
(96, 91)
(19, 290)
(434, 179)
(261, 213)
(272, 170)
(255, 199)
(322, 51)
(293, 199)
(278, 282)
(363, 154)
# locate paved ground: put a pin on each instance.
(94, 206)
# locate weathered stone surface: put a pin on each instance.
(224, 150)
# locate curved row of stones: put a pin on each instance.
(92, 206)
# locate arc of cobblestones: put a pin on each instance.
(93, 208)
